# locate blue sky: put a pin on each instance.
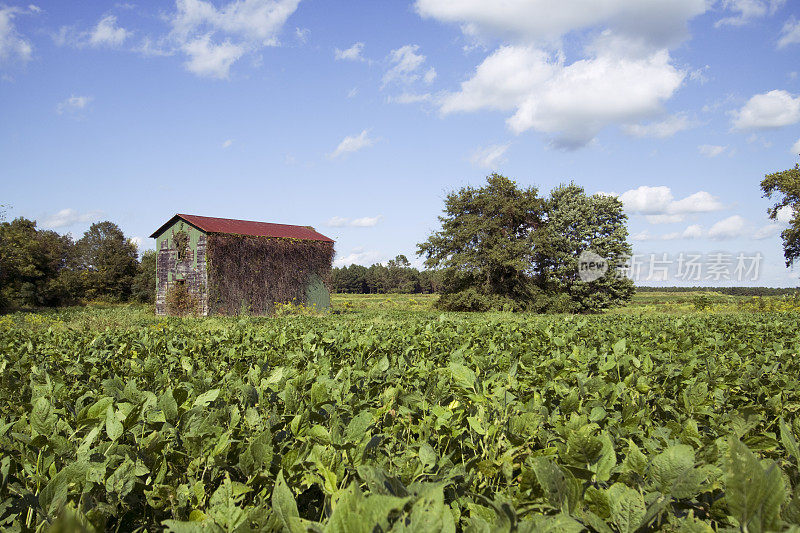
(358, 117)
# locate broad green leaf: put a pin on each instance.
(206, 398)
(114, 427)
(753, 492)
(43, 418)
(627, 508)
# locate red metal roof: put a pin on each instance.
(247, 227)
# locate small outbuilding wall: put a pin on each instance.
(231, 266)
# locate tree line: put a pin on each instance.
(396, 276)
(40, 268)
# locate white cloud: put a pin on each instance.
(660, 130)
(699, 202)
(405, 65)
(358, 256)
(572, 102)
(363, 222)
(250, 20)
(351, 54)
(659, 206)
(790, 34)
(785, 214)
(353, 143)
(490, 156)
(13, 47)
(728, 228)
(353, 92)
(773, 109)
(657, 22)
(747, 10)
(227, 143)
(68, 217)
(214, 38)
(209, 59)
(765, 232)
(695, 231)
(107, 33)
(796, 147)
(429, 76)
(74, 104)
(711, 150)
(647, 200)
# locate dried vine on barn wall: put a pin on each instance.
(257, 272)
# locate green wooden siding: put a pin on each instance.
(193, 233)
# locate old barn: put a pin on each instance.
(225, 266)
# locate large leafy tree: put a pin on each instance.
(32, 263)
(577, 223)
(484, 249)
(108, 260)
(501, 246)
(785, 185)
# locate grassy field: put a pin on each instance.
(679, 412)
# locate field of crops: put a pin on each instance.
(400, 421)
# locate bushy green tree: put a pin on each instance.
(502, 247)
(143, 288)
(484, 248)
(786, 186)
(576, 223)
(31, 265)
(109, 261)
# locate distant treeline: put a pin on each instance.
(730, 291)
(397, 276)
(40, 268)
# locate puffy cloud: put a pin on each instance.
(214, 38)
(647, 200)
(351, 54)
(107, 33)
(490, 156)
(353, 143)
(773, 109)
(695, 231)
(358, 256)
(747, 10)
(68, 217)
(210, 59)
(572, 102)
(13, 47)
(711, 150)
(660, 130)
(406, 64)
(363, 222)
(659, 206)
(74, 104)
(657, 22)
(790, 34)
(728, 228)
(796, 147)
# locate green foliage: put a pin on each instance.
(108, 260)
(501, 247)
(786, 186)
(143, 287)
(425, 423)
(32, 264)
